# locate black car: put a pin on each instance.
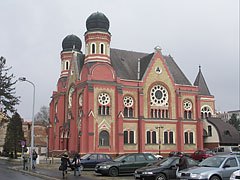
(126, 164)
(163, 170)
(90, 160)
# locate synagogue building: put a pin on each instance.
(117, 101)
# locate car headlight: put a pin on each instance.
(233, 177)
(193, 175)
(104, 167)
(147, 172)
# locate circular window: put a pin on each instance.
(159, 96)
(187, 105)
(103, 98)
(128, 101)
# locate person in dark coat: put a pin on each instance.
(65, 162)
(76, 163)
(34, 158)
(183, 163)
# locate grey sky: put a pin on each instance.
(194, 32)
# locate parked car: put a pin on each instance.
(90, 160)
(162, 170)
(126, 164)
(158, 156)
(219, 167)
(235, 175)
(227, 150)
(175, 154)
(202, 154)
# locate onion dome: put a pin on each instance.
(97, 21)
(71, 42)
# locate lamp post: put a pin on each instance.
(159, 138)
(32, 134)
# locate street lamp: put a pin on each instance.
(159, 139)
(32, 134)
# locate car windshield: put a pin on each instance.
(212, 162)
(165, 162)
(235, 149)
(85, 156)
(120, 158)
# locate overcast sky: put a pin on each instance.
(193, 32)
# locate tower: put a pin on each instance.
(97, 39)
(70, 43)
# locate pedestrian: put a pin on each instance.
(183, 164)
(25, 161)
(34, 158)
(64, 163)
(77, 163)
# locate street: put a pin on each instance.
(7, 174)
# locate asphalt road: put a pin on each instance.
(7, 174)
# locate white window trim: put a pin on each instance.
(95, 48)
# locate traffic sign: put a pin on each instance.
(22, 143)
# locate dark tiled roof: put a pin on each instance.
(227, 133)
(201, 83)
(126, 63)
(176, 72)
(79, 60)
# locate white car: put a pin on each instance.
(158, 156)
(235, 175)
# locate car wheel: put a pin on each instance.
(161, 177)
(81, 167)
(113, 172)
(214, 178)
(159, 158)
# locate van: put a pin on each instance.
(227, 150)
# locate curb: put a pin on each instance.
(43, 176)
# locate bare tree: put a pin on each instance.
(43, 115)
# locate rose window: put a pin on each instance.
(159, 96)
(187, 105)
(103, 98)
(128, 101)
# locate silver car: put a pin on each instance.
(213, 168)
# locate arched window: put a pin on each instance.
(128, 137)
(168, 137)
(188, 137)
(104, 104)
(185, 114)
(206, 111)
(66, 65)
(151, 137)
(102, 46)
(104, 138)
(128, 102)
(93, 48)
(209, 130)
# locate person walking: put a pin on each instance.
(25, 161)
(77, 162)
(183, 163)
(64, 163)
(34, 158)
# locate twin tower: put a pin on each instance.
(97, 43)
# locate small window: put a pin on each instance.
(93, 157)
(186, 137)
(131, 137)
(130, 158)
(171, 137)
(102, 48)
(185, 114)
(93, 48)
(66, 65)
(130, 112)
(125, 137)
(154, 137)
(165, 137)
(125, 112)
(209, 130)
(150, 157)
(191, 137)
(148, 137)
(189, 115)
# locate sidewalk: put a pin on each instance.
(49, 173)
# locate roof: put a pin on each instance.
(126, 65)
(201, 83)
(227, 133)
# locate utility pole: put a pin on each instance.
(159, 138)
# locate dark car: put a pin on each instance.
(90, 160)
(126, 164)
(163, 170)
(202, 154)
(175, 154)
